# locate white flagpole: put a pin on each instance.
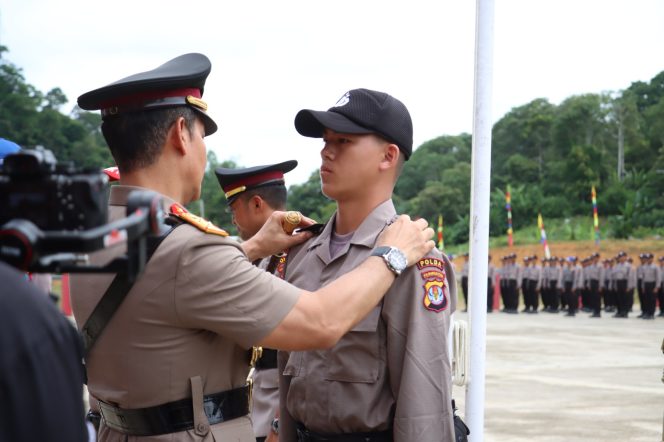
(479, 216)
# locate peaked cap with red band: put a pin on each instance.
(178, 82)
(235, 181)
(113, 173)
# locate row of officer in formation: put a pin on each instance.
(360, 308)
(569, 284)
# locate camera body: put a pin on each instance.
(53, 214)
(53, 196)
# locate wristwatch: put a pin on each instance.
(394, 258)
(275, 426)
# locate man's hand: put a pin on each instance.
(413, 238)
(272, 238)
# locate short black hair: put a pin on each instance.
(136, 139)
(274, 196)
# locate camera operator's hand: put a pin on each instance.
(272, 237)
(413, 238)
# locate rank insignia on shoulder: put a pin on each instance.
(200, 223)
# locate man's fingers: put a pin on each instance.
(306, 221)
(421, 223)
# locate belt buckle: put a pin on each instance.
(256, 353)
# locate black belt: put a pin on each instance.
(175, 416)
(267, 360)
(304, 435)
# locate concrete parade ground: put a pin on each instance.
(553, 378)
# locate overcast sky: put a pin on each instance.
(270, 59)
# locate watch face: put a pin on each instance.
(397, 259)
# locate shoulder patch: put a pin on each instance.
(200, 223)
(436, 291)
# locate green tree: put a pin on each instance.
(525, 131)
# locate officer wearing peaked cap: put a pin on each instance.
(253, 194)
(171, 363)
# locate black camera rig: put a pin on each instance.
(54, 214)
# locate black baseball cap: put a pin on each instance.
(362, 111)
(178, 82)
(235, 181)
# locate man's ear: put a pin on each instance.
(178, 135)
(256, 202)
(391, 154)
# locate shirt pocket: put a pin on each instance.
(357, 356)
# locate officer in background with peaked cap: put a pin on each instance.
(253, 193)
(171, 362)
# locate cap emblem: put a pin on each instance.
(343, 100)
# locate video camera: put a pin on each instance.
(53, 214)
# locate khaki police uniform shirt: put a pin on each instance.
(392, 370)
(265, 399)
(196, 309)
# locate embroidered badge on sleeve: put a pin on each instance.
(436, 292)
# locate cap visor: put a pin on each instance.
(208, 122)
(310, 123)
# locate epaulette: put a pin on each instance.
(200, 223)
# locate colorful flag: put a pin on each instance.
(595, 217)
(440, 233)
(540, 224)
(508, 207)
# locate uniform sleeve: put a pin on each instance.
(218, 289)
(417, 326)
